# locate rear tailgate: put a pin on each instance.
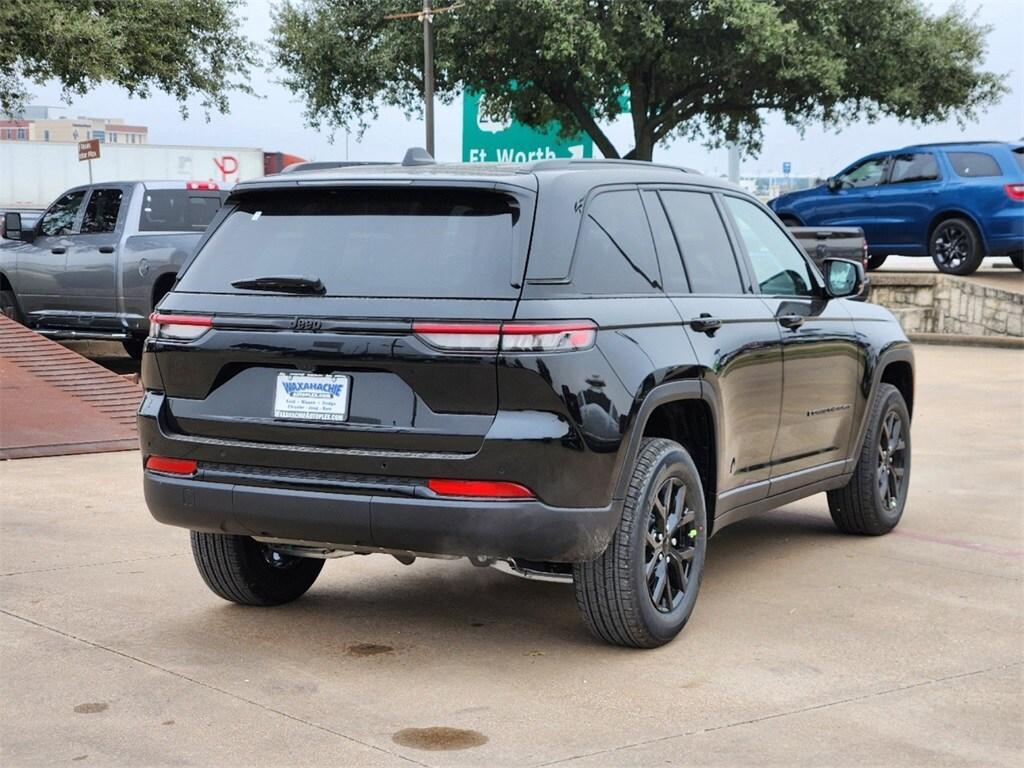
(387, 258)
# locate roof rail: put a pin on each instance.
(952, 143)
(418, 156)
(567, 162)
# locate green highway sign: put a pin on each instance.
(487, 141)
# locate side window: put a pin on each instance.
(973, 164)
(866, 174)
(908, 168)
(672, 274)
(707, 254)
(779, 267)
(615, 253)
(101, 212)
(60, 218)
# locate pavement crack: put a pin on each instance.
(788, 713)
(209, 687)
(93, 565)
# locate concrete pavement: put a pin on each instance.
(807, 647)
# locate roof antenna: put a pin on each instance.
(418, 156)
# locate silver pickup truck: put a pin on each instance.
(100, 258)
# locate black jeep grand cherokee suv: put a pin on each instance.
(573, 370)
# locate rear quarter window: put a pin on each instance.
(177, 210)
(374, 243)
(974, 164)
(615, 251)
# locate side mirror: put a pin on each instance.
(833, 184)
(12, 226)
(843, 278)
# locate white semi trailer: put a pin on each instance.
(33, 174)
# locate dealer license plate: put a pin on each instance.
(311, 397)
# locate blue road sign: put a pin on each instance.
(787, 167)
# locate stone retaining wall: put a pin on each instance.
(937, 303)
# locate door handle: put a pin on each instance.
(58, 250)
(706, 324)
(791, 321)
(106, 249)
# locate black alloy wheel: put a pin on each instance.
(956, 247)
(872, 502)
(642, 589)
(892, 448)
(669, 549)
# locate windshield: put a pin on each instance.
(380, 242)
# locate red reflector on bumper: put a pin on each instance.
(171, 466)
(479, 489)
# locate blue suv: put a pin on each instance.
(955, 202)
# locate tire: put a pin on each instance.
(614, 593)
(133, 346)
(863, 506)
(790, 221)
(9, 306)
(955, 247)
(1017, 259)
(874, 262)
(246, 572)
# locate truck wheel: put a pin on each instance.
(872, 502)
(956, 248)
(247, 572)
(133, 346)
(9, 306)
(1017, 259)
(642, 589)
(874, 262)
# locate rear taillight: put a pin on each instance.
(171, 466)
(201, 185)
(178, 327)
(557, 336)
(479, 489)
(1015, 191)
(478, 337)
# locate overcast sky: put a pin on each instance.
(274, 122)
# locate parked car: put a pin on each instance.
(96, 263)
(574, 370)
(956, 202)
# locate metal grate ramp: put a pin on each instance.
(55, 402)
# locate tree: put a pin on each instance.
(707, 70)
(181, 47)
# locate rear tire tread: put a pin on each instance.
(603, 589)
(232, 567)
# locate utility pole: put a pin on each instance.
(426, 16)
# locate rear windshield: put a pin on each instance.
(177, 210)
(1018, 155)
(452, 243)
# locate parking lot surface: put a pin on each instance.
(807, 647)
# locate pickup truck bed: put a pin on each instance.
(834, 242)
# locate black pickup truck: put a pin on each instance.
(835, 243)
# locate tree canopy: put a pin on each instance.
(182, 47)
(705, 70)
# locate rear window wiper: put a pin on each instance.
(282, 284)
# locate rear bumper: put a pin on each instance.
(526, 529)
